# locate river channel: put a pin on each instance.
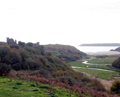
(86, 62)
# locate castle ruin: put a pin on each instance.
(11, 41)
(36, 44)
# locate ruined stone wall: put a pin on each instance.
(11, 41)
(36, 44)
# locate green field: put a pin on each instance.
(80, 64)
(106, 60)
(55, 53)
(105, 63)
(21, 88)
(99, 74)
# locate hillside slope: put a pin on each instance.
(28, 58)
(31, 63)
(116, 63)
(117, 49)
(69, 53)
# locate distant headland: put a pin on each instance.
(101, 44)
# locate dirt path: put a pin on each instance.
(106, 83)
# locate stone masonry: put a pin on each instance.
(11, 41)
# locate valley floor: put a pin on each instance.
(105, 77)
(106, 83)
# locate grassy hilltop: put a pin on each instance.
(69, 53)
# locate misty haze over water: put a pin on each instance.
(95, 48)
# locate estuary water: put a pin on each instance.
(96, 48)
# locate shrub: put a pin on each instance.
(18, 83)
(3, 51)
(116, 63)
(17, 66)
(41, 48)
(32, 50)
(30, 44)
(15, 87)
(51, 59)
(24, 55)
(14, 46)
(21, 43)
(12, 57)
(31, 64)
(48, 53)
(42, 60)
(115, 88)
(97, 85)
(4, 69)
(86, 80)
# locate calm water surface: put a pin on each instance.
(95, 48)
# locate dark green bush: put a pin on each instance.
(24, 55)
(12, 57)
(35, 90)
(3, 52)
(41, 48)
(30, 44)
(17, 66)
(32, 50)
(14, 46)
(115, 88)
(21, 43)
(32, 85)
(4, 69)
(43, 60)
(18, 83)
(15, 87)
(31, 64)
(46, 87)
(51, 59)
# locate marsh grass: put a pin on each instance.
(106, 60)
(99, 74)
(101, 66)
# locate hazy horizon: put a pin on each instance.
(69, 22)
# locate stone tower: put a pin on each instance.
(11, 41)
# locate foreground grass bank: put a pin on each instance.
(24, 88)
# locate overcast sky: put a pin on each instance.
(71, 22)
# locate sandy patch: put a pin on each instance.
(103, 53)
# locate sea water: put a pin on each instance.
(96, 48)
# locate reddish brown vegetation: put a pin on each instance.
(60, 83)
